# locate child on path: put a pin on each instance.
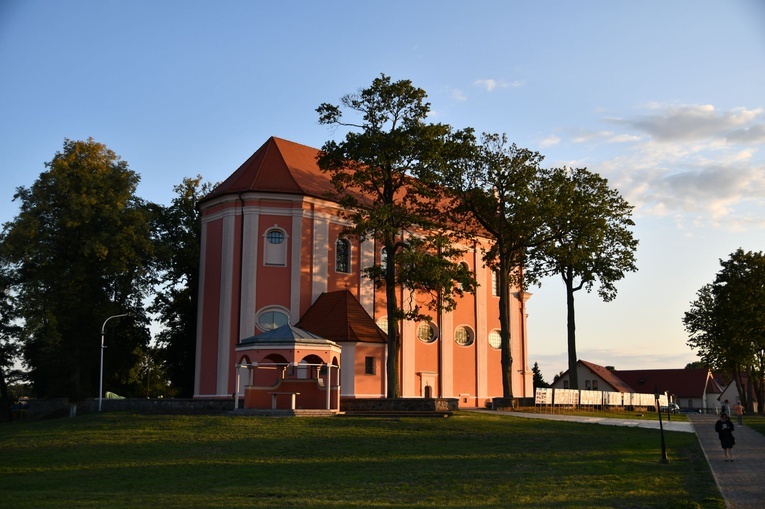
(724, 429)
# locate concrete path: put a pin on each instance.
(742, 481)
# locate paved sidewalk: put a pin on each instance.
(684, 427)
(741, 482)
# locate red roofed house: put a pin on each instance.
(593, 377)
(272, 255)
(691, 389)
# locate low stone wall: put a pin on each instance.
(508, 404)
(399, 405)
(159, 405)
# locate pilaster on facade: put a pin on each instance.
(225, 345)
(249, 268)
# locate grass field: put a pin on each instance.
(468, 460)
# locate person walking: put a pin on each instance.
(739, 409)
(725, 409)
(724, 428)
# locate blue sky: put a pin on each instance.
(665, 99)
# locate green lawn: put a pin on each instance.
(468, 460)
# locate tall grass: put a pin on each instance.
(468, 460)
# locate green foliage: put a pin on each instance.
(499, 187)
(726, 323)
(386, 173)
(469, 460)
(539, 380)
(9, 346)
(176, 233)
(592, 242)
(77, 253)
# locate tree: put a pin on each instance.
(77, 253)
(176, 233)
(591, 242)
(696, 365)
(499, 186)
(9, 348)
(539, 381)
(386, 175)
(726, 323)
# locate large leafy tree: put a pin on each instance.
(500, 187)
(386, 174)
(591, 242)
(726, 323)
(9, 346)
(177, 233)
(77, 254)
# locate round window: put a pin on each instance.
(463, 336)
(275, 237)
(426, 332)
(270, 320)
(383, 324)
(495, 340)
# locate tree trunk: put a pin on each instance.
(394, 339)
(573, 377)
(504, 330)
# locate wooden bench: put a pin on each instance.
(292, 400)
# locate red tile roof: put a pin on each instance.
(683, 383)
(338, 316)
(607, 376)
(278, 166)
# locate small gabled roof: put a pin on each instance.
(285, 335)
(607, 376)
(278, 166)
(340, 317)
(684, 383)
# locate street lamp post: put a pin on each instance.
(661, 427)
(101, 376)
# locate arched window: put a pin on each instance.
(495, 283)
(383, 259)
(275, 247)
(270, 319)
(382, 323)
(343, 256)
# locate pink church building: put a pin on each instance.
(284, 309)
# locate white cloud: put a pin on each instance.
(670, 123)
(697, 164)
(549, 141)
(491, 84)
(458, 95)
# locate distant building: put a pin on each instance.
(272, 254)
(691, 389)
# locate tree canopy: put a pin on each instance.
(591, 242)
(77, 253)
(726, 323)
(386, 172)
(176, 233)
(499, 186)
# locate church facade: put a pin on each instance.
(272, 254)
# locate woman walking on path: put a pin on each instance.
(739, 409)
(724, 429)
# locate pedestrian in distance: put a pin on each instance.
(739, 409)
(724, 429)
(725, 409)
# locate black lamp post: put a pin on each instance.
(661, 427)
